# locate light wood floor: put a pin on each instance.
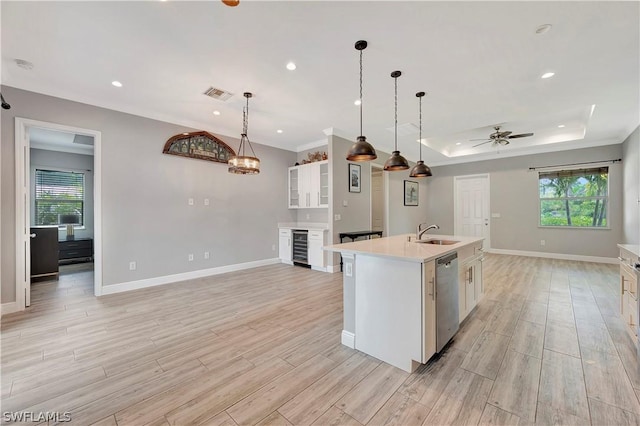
(262, 346)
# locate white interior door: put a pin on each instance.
(377, 199)
(472, 212)
(23, 221)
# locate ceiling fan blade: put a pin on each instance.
(521, 135)
(504, 134)
(483, 143)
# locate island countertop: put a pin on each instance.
(398, 247)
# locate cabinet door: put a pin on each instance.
(313, 188)
(316, 254)
(462, 293)
(294, 188)
(324, 185)
(470, 295)
(477, 277)
(429, 311)
(284, 244)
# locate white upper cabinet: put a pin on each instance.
(309, 186)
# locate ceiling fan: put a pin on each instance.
(501, 138)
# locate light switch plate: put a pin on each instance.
(337, 217)
(345, 203)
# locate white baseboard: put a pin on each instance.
(348, 339)
(287, 262)
(168, 279)
(594, 259)
(9, 308)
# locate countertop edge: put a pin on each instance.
(632, 248)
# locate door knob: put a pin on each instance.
(32, 235)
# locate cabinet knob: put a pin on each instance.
(32, 235)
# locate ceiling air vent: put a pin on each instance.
(219, 94)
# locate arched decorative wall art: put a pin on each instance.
(201, 145)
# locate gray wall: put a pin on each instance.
(145, 214)
(514, 195)
(356, 216)
(66, 161)
(631, 181)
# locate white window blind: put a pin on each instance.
(58, 193)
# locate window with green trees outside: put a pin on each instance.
(58, 193)
(576, 198)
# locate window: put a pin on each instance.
(58, 193)
(576, 198)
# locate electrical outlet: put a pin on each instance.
(206, 254)
(190, 201)
(190, 257)
(345, 203)
(542, 242)
(348, 270)
(337, 217)
(206, 201)
(132, 266)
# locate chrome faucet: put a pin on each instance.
(420, 231)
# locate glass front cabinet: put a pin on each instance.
(309, 185)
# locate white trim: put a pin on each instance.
(318, 268)
(9, 308)
(22, 145)
(169, 279)
(560, 256)
(348, 339)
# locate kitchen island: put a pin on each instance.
(390, 294)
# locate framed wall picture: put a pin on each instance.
(355, 183)
(410, 193)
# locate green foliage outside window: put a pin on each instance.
(577, 198)
(58, 193)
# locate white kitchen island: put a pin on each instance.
(389, 294)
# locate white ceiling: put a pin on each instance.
(479, 62)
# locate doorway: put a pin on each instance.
(53, 158)
(378, 199)
(472, 207)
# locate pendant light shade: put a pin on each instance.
(361, 150)
(396, 162)
(420, 169)
(242, 164)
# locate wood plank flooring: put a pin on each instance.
(262, 346)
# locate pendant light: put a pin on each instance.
(361, 150)
(420, 169)
(396, 162)
(241, 164)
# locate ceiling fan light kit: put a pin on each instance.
(501, 138)
(420, 169)
(396, 162)
(361, 150)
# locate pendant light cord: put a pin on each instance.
(245, 129)
(396, 115)
(420, 141)
(360, 92)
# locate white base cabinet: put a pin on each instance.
(629, 304)
(315, 242)
(284, 245)
(471, 287)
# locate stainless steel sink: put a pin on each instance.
(438, 242)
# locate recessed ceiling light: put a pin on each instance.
(357, 102)
(561, 126)
(116, 83)
(216, 112)
(543, 28)
(548, 75)
(291, 66)
(279, 131)
(458, 143)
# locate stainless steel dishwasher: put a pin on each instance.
(447, 315)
